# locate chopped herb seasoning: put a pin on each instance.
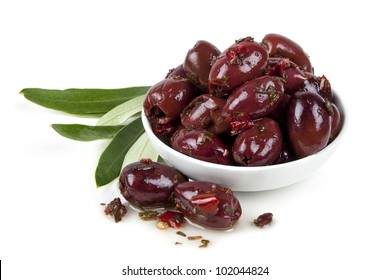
(194, 237)
(116, 209)
(204, 243)
(181, 233)
(148, 215)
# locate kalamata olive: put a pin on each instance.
(281, 46)
(257, 98)
(241, 62)
(308, 122)
(149, 184)
(165, 101)
(336, 122)
(259, 145)
(198, 61)
(204, 111)
(201, 144)
(178, 71)
(207, 204)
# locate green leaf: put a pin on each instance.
(82, 101)
(82, 132)
(121, 113)
(142, 148)
(110, 162)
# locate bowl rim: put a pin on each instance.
(343, 118)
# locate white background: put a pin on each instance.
(334, 225)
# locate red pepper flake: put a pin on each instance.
(263, 219)
(239, 122)
(173, 219)
(206, 203)
(116, 209)
(236, 54)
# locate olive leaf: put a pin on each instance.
(82, 132)
(121, 113)
(82, 101)
(142, 148)
(110, 161)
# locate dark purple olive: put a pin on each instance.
(178, 71)
(149, 184)
(257, 98)
(207, 204)
(241, 62)
(336, 123)
(165, 101)
(204, 112)
(308, 122)
(259, 145)
(281, 46)
(201, 144)
(198, 61)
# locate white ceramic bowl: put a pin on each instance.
(242, 178)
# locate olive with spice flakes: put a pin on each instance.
(208, 204)
(256, 98)
(198, 61)
(259, 145)
(308, 122)
(281, 46)
(241, 62)
(204, 112)
(165, 101)
(201, 144)
(149, 184)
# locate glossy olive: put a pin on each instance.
(165, 101)
(207, 204)
(241, 62)
(201, 144)
(257, 97)
(308, 122)
(198, 61)
(281, 46)
(149, 184)
(204, 112)
(259, 145)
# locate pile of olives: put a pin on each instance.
(254, 104)
(147, 184)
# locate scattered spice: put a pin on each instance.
(103, 204)
(204, 243)
(116, 209)
(178, 243)
(181, 233)
(263, 219)
(148, 215)
(194, 237)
